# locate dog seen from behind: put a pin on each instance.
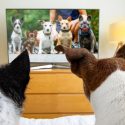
(104, 83)
(13, 81)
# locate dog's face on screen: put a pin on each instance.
(13, 81)
(17, 24)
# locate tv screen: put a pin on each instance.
(40, 30)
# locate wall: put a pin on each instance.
(110, 11)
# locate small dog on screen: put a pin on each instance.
(13, 81)
(16, 36)
(86, 36)
(31, 42)
(65, 35)
(103, 81)
(45, 37)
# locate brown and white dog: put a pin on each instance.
(65, 35)
(31, 43)
(104, 83)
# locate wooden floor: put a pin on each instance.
(55, 93)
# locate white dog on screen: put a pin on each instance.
(16, 36)
(46, 38)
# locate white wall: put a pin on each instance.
(110, 11)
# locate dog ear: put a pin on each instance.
(13, 18)
(42, 22)
(15, 77)
(89, 18)
(121, 52)
(60, 18)
(19, 70)
(60, 48)
(69, 18)
(80, 17)
(73, 54)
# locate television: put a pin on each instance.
(38, 31)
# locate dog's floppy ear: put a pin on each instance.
(80, 17)
(89, 17)
(121, 52)
(73, 54)
(13, 18)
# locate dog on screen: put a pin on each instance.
(86, 36)
(31, 43)
(46, 38)
(16, 36)
(65, 35)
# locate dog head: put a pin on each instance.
(17, 24)
(14, 79)
(31, 36)
(84, 21)
(64, 25)
(47, 27)
(92, 71)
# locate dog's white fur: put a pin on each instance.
(9, 113)
(46, 37)
(109, 102)
(16, 36)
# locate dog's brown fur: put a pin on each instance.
(65, 38)
(31, 41)
(91, 70)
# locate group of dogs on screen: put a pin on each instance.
(45, 40)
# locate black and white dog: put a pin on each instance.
(86, 36)
(13, 81)
(16, 36)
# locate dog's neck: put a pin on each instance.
(108, 100)
(65, 31)
(19, 33)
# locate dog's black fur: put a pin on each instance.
(86, 36)
(15, 77)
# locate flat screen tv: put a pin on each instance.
(40, 30)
